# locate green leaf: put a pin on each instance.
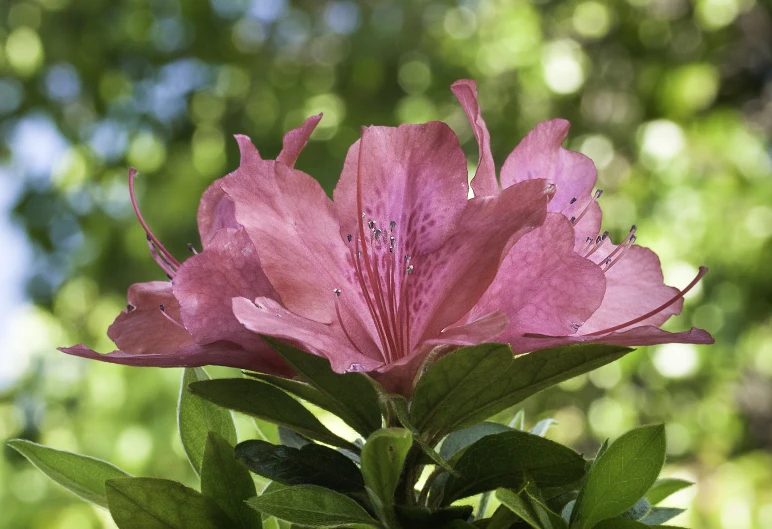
(383, 457)
(351, 395)
(292, 439)
(503, 518)
(660, 515)
(542, 427)
(460, 439)
(228, 483)
(312, 506)
(641, 508)
(618, 523)
(507, 460)
(268, 403)
(474, 383)
(150, 503)
(421, 517)
(312, 464)
(531, 509)
(664, 488)
(620, 476)
(84, 476)
(197, 417)
(399, 406)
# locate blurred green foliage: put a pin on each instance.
(672, 99)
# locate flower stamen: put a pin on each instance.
(174, 263)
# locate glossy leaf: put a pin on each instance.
(312, 506)
(474, 383)
(197, 417)
(150, 503)
(267, 403)
(620, 476)
(383, 457)
(84, 476)
(531, 509)
(664, 488)
(228, 483)
(310, 465)
(507, 460)
(457, 441)
(660, 515)
(352, 395)
(542, 427)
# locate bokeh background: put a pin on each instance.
(672, 99)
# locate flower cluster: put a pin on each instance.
(401, 262)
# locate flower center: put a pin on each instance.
(382, 277)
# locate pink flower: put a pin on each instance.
(400, 262)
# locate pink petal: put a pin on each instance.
(215, 212)
(636, 336)
(634, 286)
(142, 328)
(296, 140)
(543, 285)
(219, 354)
(484, 182)
(266, 316)
(205, 284)
(293, 224)
(414, 175)
(540, 155)
(483, 329)
(447, 283)
(250, 156)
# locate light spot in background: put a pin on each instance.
(416, 109)
(249, 35)
(62, 82)
(11, 95)
(570, 427)
(28, 485)
(267, 10)
(607, 418)
(28, 332)
(73, 517)
(679, 439)
(676, 360)
(24, 51)
(36, 145)
(415, 75)
(341, 17)
(606, 377)
(758, 222)
(736, 514)
(591, 19)
(133, 447)
(599, 148)
(661, 139)
(716, 14)
(460, 23)
(71, 171)
(562, 64)
(108, 139)
(146, 152)
(229, 8)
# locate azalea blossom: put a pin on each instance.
(400, 262)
